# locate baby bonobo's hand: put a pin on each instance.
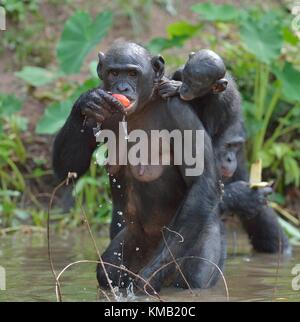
(168, 88)
(99, 105)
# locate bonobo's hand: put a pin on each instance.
(168, 88)
(98, 105)
(240, 198)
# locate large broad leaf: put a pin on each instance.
(37, 76)
(157, 45)
(9, 104)
(55, 114)
(289, 78)
(182, 28)
(262, 37)
(215, 12)
(54, 117)
(80, 35)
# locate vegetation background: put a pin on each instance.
(48, 57)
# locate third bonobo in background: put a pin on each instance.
(204, 82)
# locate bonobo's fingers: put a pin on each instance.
(263, 195)
(166, 89)
(111, 102)
(91, 110)
(266, 191)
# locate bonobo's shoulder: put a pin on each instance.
(178, 106)
(182, 114)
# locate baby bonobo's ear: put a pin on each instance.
(101, 57)
(219, 86)
(191, 54)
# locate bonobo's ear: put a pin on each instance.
(219, 86)
(101, 57)
(191, 54)
(158, 64)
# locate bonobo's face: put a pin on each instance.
(128, 69)
(226, 156)
(194, 85)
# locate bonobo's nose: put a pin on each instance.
(123, 88)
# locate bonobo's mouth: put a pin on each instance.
(131, 108)
(225, 173)
(185, 98)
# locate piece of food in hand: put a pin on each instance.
(122, 99)
(255, 176)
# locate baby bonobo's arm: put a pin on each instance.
(168, 87)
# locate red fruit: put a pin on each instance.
(122, 99)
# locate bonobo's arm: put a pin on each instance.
(197, 218)
(238, 196)
(259, 220)
(75, 142)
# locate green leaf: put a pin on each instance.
(55, 114)
(289, 78)
(182, 28)
(289, 228)
(262, 37)
(101, 154)
(157, 45)
(93, 69)
(80, 35)
(215, 12)
(289, 36)
(54, 117)
(292, 172)
(9, 104)
(37, 76)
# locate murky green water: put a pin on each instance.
(250, 277)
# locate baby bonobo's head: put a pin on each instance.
(203, 74)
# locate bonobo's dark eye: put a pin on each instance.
(234, 145)
(113, 73)
(132, 73)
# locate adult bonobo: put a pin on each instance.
(154, 200)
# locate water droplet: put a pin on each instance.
(137, 248)
(114, 180)
(118, 224)
(120, 213)
(118, 186)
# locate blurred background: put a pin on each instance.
(48, 57)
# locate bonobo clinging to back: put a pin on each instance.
(204, 82)
(160, 199)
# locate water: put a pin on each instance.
(250, 277)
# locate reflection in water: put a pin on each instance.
(250, 277)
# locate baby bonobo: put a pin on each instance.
(210, 89)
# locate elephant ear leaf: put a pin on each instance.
(289, 78)
(216, 12)
(80, 35)
(54, 117)
(9, 104)
(262, 37)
